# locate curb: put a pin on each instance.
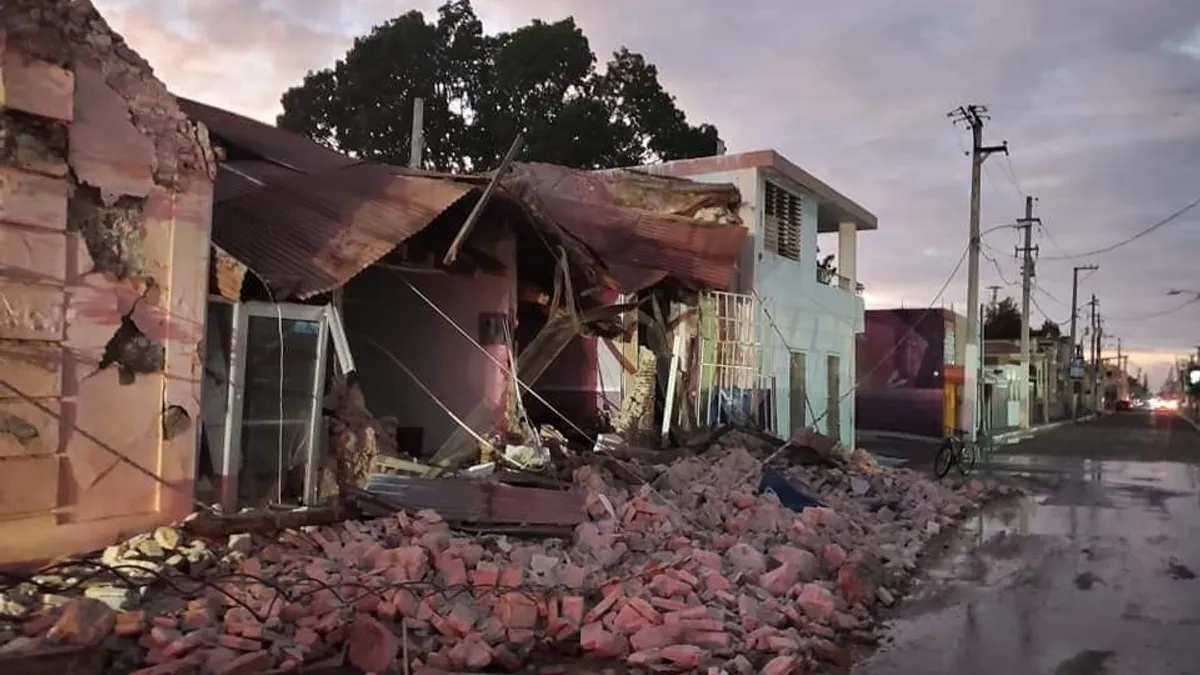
(1005, 438)
(1013, 437)
(868, 435)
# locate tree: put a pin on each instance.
(1002, 321)
(481, 90)
(1049, 329)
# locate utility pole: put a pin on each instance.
(995, 292)
(973, 116)
(1120, 371)
(1027, 273)
(1097, 396)
(1092, 351)
(416, 149)
(1074, 317)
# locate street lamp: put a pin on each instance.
(1177, 291)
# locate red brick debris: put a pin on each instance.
(695, 574)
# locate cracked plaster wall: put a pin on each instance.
(105, 209)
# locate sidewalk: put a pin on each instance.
(1010, 437)
(1002, 437)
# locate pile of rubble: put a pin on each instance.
(698, 569)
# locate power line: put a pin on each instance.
(1049, 237)
(912, 329)
(882, 360)
(1048, 294)
(1131, 239)
(1154, 315)
(1012, 175)
(1043, 312)
(996, 264)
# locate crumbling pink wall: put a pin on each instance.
(105, 199)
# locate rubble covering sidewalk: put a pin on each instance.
(692, 572)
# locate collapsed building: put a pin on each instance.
(105, 199)
(271, 408)
(190, 296)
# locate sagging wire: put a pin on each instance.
(522, 413)
(120, 456)
(896, 347)
(188, 586)
(510, 373)
(771, 320)
(507, 371)
(421, 385)
(279, 327)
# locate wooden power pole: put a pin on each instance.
(973, 116)
(1076, 352)
(1027, 274)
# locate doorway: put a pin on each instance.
(833, 389)
(266, 370)
(797, 392)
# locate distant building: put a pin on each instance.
(911, 371)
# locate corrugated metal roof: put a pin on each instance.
(239, 177)
(644, 228)
(462, 501)
(282, 147)
(307, 219)
(305, 234)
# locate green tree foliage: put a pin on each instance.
(1003, 321)
(481, 90)
(1049, 329)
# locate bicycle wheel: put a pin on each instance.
(946, 457)
(968, 455)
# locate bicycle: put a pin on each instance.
(959, 451)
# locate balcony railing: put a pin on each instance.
(838, 281)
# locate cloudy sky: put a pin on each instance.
(1099, 101)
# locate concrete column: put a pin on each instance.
(847, 255)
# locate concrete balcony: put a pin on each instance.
(838, 281)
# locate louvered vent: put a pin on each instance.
(782, 216)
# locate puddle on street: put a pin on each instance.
(1102, 551)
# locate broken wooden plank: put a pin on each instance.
(214, 525)
(54, 661)
(407, 466)
(481, 204)
(462, 501)
(534, 361)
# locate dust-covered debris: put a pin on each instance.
(697, 571)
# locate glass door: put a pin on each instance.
(276, 429)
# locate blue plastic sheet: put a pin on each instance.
(793, 496)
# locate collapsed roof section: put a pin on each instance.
(306, 219)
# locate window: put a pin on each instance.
(782, 217)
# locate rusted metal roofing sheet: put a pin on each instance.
(239, 177)
(472, 502)
(644, 228)
(271, 143)
(305, 234)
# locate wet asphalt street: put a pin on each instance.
(1094, 574)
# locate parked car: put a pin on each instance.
(1124, 405)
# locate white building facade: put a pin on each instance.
(807, 316)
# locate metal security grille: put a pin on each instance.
(782, 215)
(732, 385)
